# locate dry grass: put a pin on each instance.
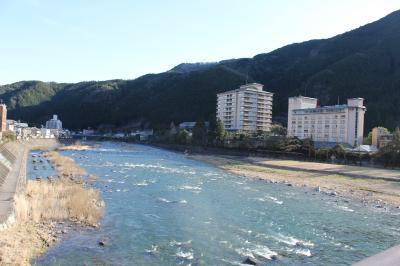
(41, 204)
(22, 242)
(58, 201)
(65, 166)
(38, 208)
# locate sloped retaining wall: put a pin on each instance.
(12, 172)
(13, 164)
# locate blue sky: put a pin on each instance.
(77, 40)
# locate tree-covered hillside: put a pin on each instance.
(364, 62)
(155, 98)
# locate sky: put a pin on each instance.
(80, 40)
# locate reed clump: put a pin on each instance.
(46, 208)
(65, 166)
(59, 200)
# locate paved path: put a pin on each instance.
(326, 168)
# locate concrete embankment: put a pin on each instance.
(388, 257)
(13, 161)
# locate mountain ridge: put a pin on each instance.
(364, 62)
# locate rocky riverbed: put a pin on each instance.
(373, 192)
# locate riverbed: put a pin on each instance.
(163, 208)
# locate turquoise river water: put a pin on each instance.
(165, 209)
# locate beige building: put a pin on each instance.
(380, 137)
(247, 108)
(337, 123)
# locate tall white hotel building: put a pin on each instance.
(246, 109)
(337, 123)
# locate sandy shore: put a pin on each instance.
(372, 191)
(48, 208)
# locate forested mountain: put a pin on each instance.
(364, 62)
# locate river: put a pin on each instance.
(165, 209)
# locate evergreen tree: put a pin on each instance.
(277, 130)
(199, 133)
(212, 120)
(182, 137)
(390, 154)
(220, 131)
(172, 129)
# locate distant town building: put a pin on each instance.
(247, 108)
(54, 123)
(87, 132)
(380, 137)
(3, 117)
(364, 149)
(46, 133)
(24, 132)
(337, 123)
(142, 134)
(190, 125)
(11, 125)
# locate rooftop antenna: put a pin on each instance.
(247, 77)
(338, 100)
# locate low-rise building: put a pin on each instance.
(190, 125)
(380, 137)
(87, 132)
(338, 123)
(143, 135)
(46, 133)
(11, 125)
(247, 109)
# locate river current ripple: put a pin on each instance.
(165, 209)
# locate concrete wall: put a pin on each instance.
(13, 163)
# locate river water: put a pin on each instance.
(165, 209)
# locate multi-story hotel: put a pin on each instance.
(248, 108)
(337, 123)
(54, 123)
